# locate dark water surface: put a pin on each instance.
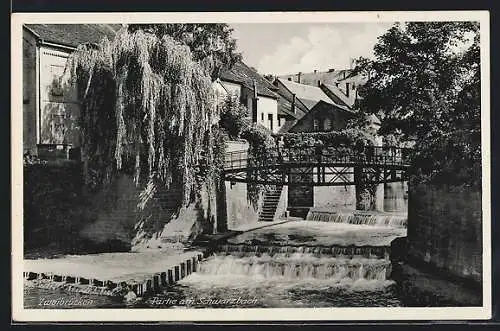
(185, 296)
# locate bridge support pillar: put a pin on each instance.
(366, 193)
(221, 204)
(379, 197)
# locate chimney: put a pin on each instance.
(298, 77)
(352, 63)
(293, 103)
(254, 103)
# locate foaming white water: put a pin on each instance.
(202, 282)
(357, 218)
(297, 267)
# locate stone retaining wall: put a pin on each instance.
(445, 229)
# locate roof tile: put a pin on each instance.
(73, 34)
(243, 74)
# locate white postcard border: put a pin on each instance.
(19, 313)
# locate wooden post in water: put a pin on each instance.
(135, 288)
(156, 282)
(176, 273)
(163, 279)
(170, 276)
(183, 269)
(195, 264)
(148, 286)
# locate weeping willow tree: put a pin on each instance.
(148, 110)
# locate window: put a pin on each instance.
(270, 119)
(327, 124)
(315, 125)
(347, 89)
(279, 121)
(262, 117)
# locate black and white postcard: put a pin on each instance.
(251, 166)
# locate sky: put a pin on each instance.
(286, 48)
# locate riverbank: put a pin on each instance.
(104, 273)
(113, 273)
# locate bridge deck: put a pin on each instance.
(318, 165)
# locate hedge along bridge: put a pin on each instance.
(320, 166)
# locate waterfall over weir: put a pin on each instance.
(297, 266)
(302, 264)
(358, 217)
(376, 252)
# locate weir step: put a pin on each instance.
(379, 252)
(153, 283)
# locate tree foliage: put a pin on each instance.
(424, 82)
(347, 137)
(148, 109)
(212, 45)
(233, 117)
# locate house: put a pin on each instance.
(343, 84)
(320, 102)
(322, 117)
(50, 104)
(307, 108)
(254, 91)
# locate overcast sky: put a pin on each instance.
(282, 48)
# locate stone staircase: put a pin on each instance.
(271, 200)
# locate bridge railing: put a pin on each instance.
(317, 155)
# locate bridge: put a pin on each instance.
(320, 166)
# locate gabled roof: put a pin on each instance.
(285, 108)
(320, 107)
(356, 79)
(309, 95)
(287, 126)
(311, 78)
(328, 105)
(336, 95)
(242, 74)
(72, 35)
